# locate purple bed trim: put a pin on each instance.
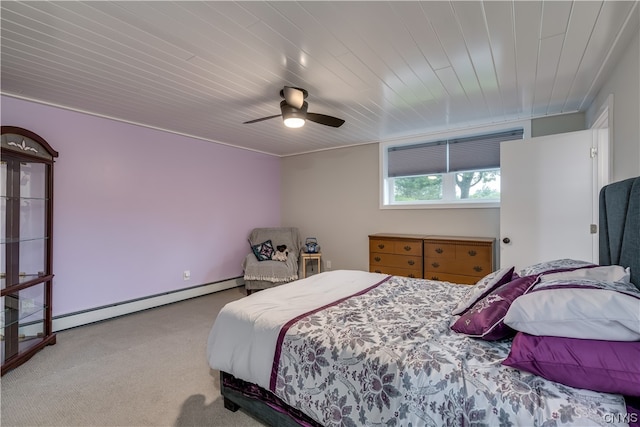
(285, 328)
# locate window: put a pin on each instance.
(457, 169)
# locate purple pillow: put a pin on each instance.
(605, 366)
(485, 318)
(484, 286)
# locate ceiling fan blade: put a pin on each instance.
(264, 118)
(294, 96)
(325, 120)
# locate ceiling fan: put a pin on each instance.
(294, 110)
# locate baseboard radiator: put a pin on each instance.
(85, 317)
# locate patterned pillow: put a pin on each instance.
(485, 285)
(554, 265)
(605, 366)
(263, 251)
(485, 318)
(607, 273)
(579, 308)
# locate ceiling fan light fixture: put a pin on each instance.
(292, 116)
(294, 122)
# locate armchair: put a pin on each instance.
(267, 274)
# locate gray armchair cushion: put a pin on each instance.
(276, 272)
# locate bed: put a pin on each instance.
(357, 348)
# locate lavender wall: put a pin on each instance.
(134, 207)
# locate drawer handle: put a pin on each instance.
(477, 268)
(435, 265)
(377, 259)
(377, 271)
(439, 250)
(411, 262)
(407, 248)
(381, 246)
(412, 276)
(473, 253)
(434, 278)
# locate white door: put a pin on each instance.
(549, 198)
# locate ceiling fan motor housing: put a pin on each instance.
(289, 111)
(294, 96)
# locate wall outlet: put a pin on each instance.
(186, 275)
(327, 264)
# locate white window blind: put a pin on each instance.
(451, 155)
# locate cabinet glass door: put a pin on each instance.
(23, 320)
(32, 228)
(24, 236)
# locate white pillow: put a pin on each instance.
(608, 273)
(484, 286)
(578, 309)
(556, 264)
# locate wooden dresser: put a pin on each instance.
(396, 254)
(451, 259)
(458, 259)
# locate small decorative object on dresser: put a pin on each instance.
(458, 259)
(396, 254)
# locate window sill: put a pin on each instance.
(444, 205)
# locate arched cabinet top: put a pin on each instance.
(23, 141)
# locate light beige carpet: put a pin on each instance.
(144, 369)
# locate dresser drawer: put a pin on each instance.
(453, 278)
(396, 271)
(381, 246)
(474, 253)
(403, 247)
(467, 267)
(393, 260)
(438, 250)
(408, 247)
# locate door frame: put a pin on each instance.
(603, 122)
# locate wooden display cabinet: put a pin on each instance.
(26, 197)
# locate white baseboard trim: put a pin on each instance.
(72, 320)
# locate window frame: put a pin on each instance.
(386, 184)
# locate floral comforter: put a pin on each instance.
(388, 358)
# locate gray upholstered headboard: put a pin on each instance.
(620, 226)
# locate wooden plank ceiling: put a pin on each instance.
(389, 69)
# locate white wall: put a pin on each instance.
(624, 84)
(333, 195)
